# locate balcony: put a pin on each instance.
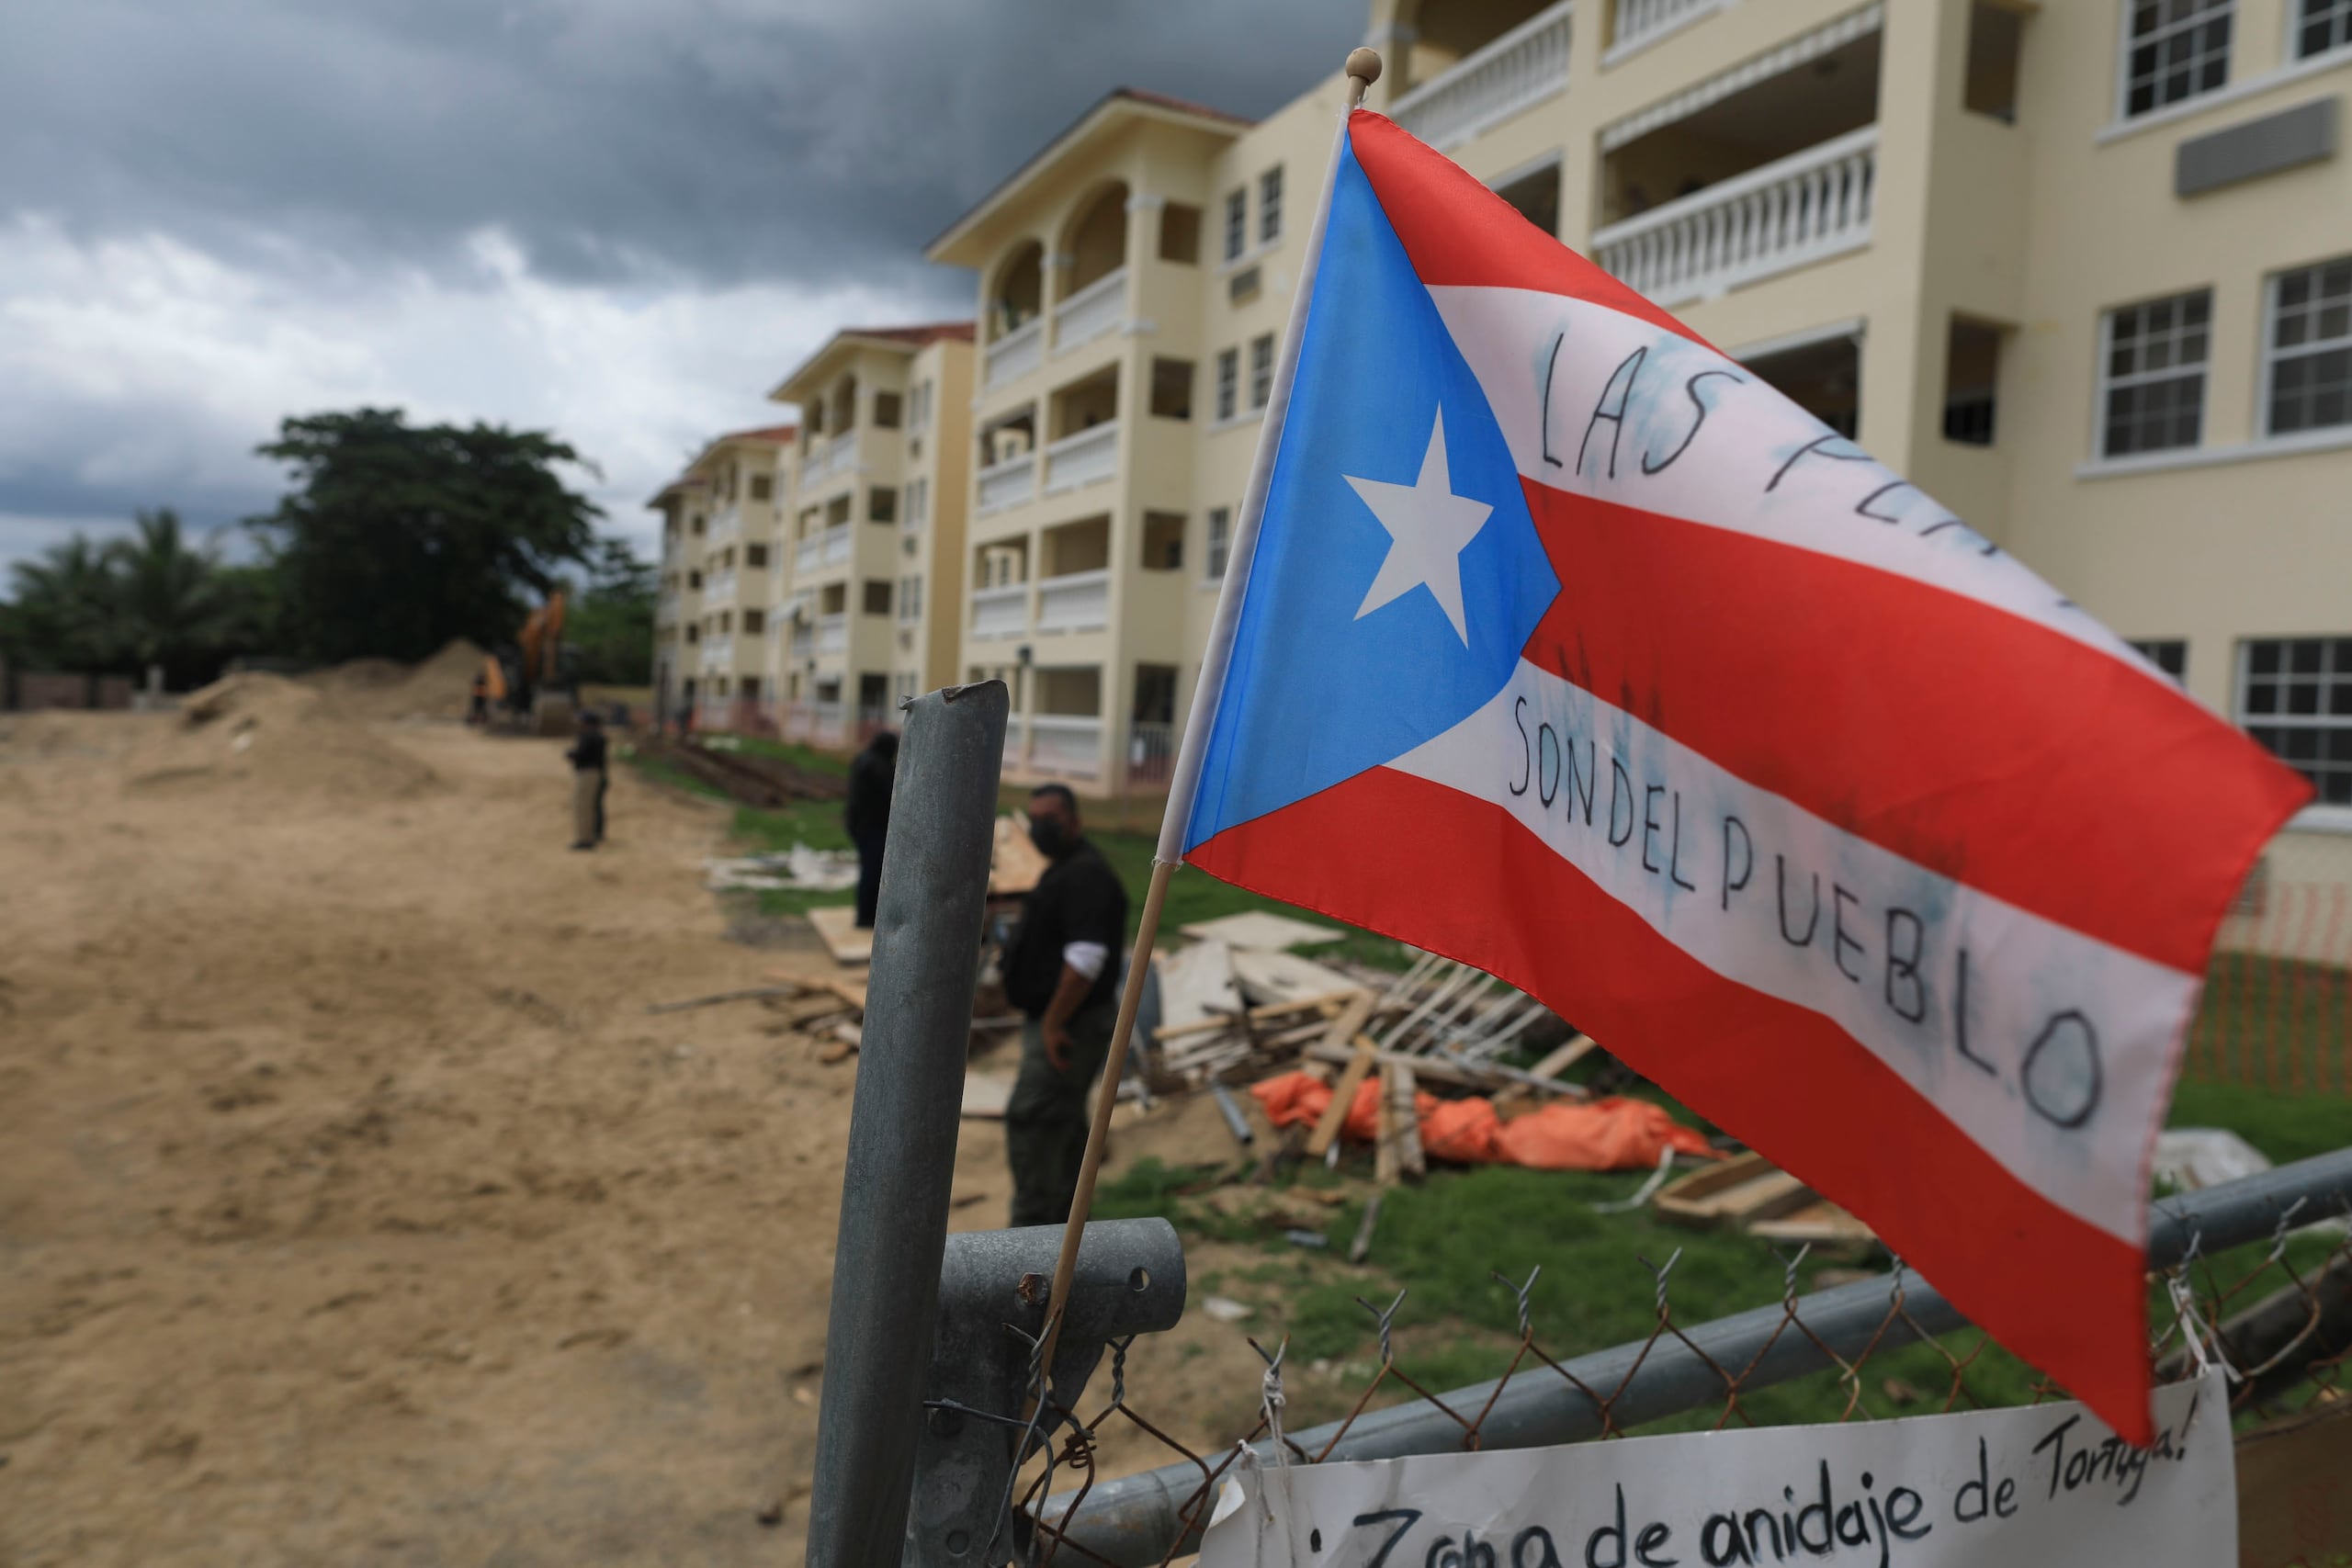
(717, 650)
(1000, 611)
(1065, 744)
(810, 553)
(1012, 741)
(1082, 459)
(839, 545)
(804, 640)
(1008, 483)
(1517, 71)
(1015, 354)
(1803, 208)
(1091, 311)
(841, 454)
(832, 632)
(1078, 602)
(725, 524)
(1642, 22)
(719, 585)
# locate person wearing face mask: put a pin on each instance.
(1059, 971)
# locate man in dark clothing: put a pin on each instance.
(1061, 970)
(867, 816)
(478, 703)
(587, 760)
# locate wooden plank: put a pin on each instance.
(803, 1009)
(1265, 933)
(1015, 862)
(1351, 1020)
(1360, 1061)
(986, 1095)
(1361, 1246)
(1727, 1194)
(1578, 1047)
(850, 991)
(1196, 987)
(1487, 1080)
(1410, 1159)
(837, 927)
(1387, 1155)
(1272, 1011)
(1285, 977)
(749, 993)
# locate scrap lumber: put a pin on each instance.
(1284, 977)
(1360, 1248)
(1387, 1149)
(748, 994)
(1404, 1115)
(1359, 1061)
(1727, 1195)
(837, 927)
(1486, 1079)
(1258, 930)
(1015, 862)
(1196, 987)
(986, 1095)
(1578, 1047)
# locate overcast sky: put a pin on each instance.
(618, 220)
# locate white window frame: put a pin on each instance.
(2123, 114)
(2103, 381)
(2271, 355)
(2327, 813)
(1269, 206)
(1236, 223)
(909, 602)
(1228, 384)
(1217, 555)
(1262, 371)
(2293, 52)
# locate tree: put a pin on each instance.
(397, 538)
(170, 604)
(62, 614)
(612, 624)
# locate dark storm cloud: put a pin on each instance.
(663, 142)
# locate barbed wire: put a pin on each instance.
(2280, 1329)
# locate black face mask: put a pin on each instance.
(1052, 838)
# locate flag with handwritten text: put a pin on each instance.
(1555, 641)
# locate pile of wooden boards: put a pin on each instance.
(1748, 1193)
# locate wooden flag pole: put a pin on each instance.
(1362, 70)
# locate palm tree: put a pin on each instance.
(64, 607)
(168, 601)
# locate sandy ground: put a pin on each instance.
(352, 1207)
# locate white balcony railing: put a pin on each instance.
(1065, 744)
(1016, 353)
(829, 722)
(1806, 206)
(1008, 483)
(1082, 459)
(725, 524)
(717, 650)
(809, 554)
(1080, 602)
(1000, 611)
(1639, 21)
(841, 454)
(832, 632)
(1519, 70)
(1091, 311)
(804, 640)
(838, 545)
(719, 585)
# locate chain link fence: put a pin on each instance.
(2256, 1275)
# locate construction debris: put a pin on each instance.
(749, 994)
(823, 871)
(1256, 929)
(986, 1095)
(837, 927)
(1748, 1193)
(1015, 863)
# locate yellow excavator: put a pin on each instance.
(531, 680)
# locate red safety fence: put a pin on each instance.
(2277, 1007)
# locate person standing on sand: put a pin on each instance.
(588, 781)
(1061, 970)
(867, 816)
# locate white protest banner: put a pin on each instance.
(2047, 1486)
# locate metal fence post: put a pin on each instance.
(903, 1124)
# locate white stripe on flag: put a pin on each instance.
(2056, 1065)
(1687, 434)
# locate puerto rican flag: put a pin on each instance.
(1558, 643)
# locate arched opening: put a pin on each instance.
(844, 415)
(1097, 243)
(1020, 291)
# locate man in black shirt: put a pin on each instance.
(867, 816)
(1060, 970)
(587, 760)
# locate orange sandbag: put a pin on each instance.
(1292, 1099)
(1460, 1130)
(1607, 1134)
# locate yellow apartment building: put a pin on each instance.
(872, 546)
(2082, 270)
(717, 577)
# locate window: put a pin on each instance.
(917, 499)
(1261, 369)
(1220, 541)
(910, 599)
(694, 632)
(1995, 36)
(1269, 206)
(2323, 25)
(697, 525)
(1228, 382)
(1163, 541)
(2167, 654)
(919, 407)
(877, 596)
(2308, 349)
(2295, 697)
(762, 487)
(885, 411)
(694, 579)
(1236, 223)
(2178, 50)
(1972, 372)
(1180, 234)
(1172, 388)
(754, 622)
(882, 505)
(2152, 386)
(755, 555)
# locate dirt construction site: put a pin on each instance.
(353, 1205)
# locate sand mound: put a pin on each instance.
(264, 732)
(381, 689)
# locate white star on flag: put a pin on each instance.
(1429, 527)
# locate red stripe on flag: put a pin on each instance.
(1457, 232)
(1468, 882)
(1969, 740)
